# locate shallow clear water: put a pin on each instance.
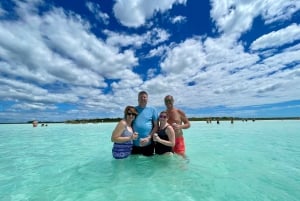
(237, 162)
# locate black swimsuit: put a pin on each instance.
(160, 148)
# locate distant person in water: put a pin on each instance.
(164, 139)
(35, 123)
(123, 134)
(146, 125)
(179, 121)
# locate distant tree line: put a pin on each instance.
(106, 120)
(98, 120)
(241, 118)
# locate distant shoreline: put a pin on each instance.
(108, 120)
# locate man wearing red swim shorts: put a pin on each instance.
(179, 121)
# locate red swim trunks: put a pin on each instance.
(179, 147)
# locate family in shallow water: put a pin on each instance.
(143, 131)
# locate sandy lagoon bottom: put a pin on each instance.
(238, 162)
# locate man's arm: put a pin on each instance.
(186, 123)
(155, 128)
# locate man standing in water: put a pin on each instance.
(145, 125)
(179, 121)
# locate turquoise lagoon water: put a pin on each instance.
(234, 162)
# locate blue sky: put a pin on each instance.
(62, 60)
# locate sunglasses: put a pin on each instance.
(168, 101)
(163, 116)
(129, 113)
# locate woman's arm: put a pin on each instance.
(171, 134)
(116, 134)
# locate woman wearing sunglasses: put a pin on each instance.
(165, 137)
(123, 134)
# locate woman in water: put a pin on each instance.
(123, 134)
(165, 137)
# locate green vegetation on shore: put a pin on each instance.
(105, 120)
(82, 121)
